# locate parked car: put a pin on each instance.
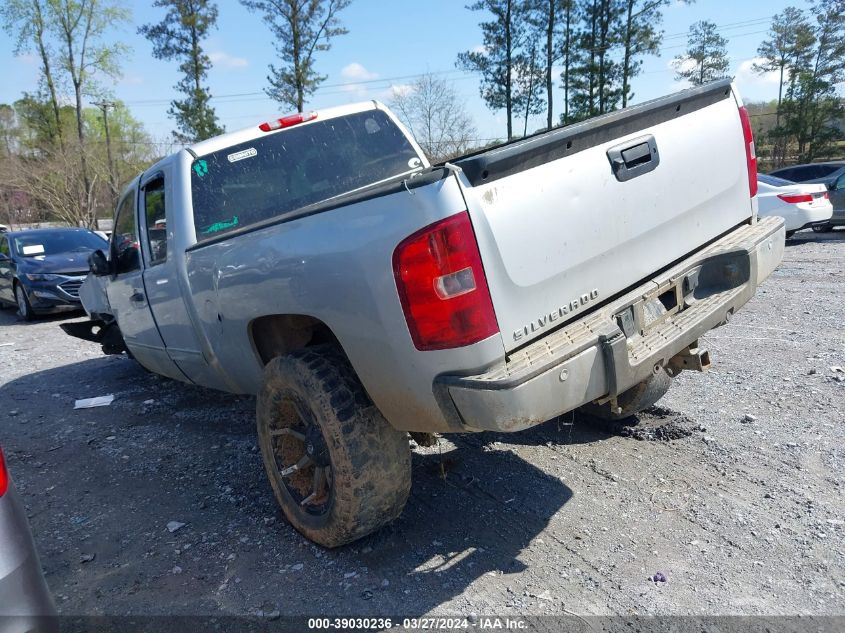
(25, 601)
(41, 270)
(801, 205)
(322, 263)
(832, 175)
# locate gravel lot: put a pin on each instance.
(743, 512)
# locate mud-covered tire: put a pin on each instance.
(368, 477)
(636, 399)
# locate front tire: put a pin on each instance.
(338, 469)
(25, 310)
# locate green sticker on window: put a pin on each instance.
(221, 226)
(201, 167)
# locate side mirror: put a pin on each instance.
(98, 264)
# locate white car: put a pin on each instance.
(801, 205)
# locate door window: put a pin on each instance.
(4, 246)
(124, 241)
(156, 223)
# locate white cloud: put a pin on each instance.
(746, 75)
(401, 90)
(356, 75)
(481, 49)
(357, 72)
(220, 58)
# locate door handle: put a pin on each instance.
(634, 158)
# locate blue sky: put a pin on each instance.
(389, 42)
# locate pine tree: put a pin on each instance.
(500, 58)
(302, 28)
(706, 58)
(178, 37)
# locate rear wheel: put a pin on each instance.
(24, 307)
(337, 468)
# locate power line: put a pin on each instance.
(260, 95)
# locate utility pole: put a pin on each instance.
(104, 106)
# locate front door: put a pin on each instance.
(837, 198)
(161, 280)
(6, 271)
(127, 295)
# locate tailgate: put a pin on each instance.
(560, 232)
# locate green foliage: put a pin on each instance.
(706, 58)
(301, 29)
(809, 56)
(178, 37)
(511, 75)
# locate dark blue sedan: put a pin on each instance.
(41, 270)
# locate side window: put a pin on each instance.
(4, 246)
(124, 239)
(156, 224)
(840, 183)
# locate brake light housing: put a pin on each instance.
(287, 121)
(750, 150)
(795, 198)
(442, 286)
(4, 475)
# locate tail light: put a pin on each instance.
(826, 195)
(750, 151)
(4, 475)
(442, 286)
(796, 198)
(287, 121)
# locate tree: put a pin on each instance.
(528, 84)
(79, 26)
(301, 28)
(436, 117)
(497, 60)
(640, 35)
(814, 107)
(25, 20)
(595, 77)
(569, 55)
(790, 41)
(178, 37)
(706, 58)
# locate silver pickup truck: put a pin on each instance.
(321, 262)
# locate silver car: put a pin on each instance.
(25, 601)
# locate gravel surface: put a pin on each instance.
(727, 498)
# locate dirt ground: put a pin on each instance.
(741, 510)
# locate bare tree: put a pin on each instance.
(436, 117)
(80, 25)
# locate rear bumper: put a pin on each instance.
(613, 348)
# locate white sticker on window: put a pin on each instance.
(247, 153)
(33, 249)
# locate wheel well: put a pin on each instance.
(277, 334)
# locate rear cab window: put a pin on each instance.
(296, 167)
